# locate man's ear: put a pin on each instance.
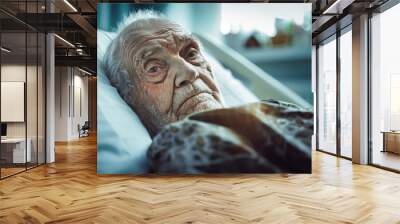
(125, 86)
(119, 78)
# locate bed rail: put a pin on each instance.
(263, 85)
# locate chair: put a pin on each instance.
(84, 130)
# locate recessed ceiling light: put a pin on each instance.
(84, 71)
(70, 5)
(64, 40)
(5, 50)
(338, 6)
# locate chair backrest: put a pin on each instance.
(86, 124)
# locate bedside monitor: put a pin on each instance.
(3, 130)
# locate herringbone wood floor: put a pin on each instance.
(70, 191)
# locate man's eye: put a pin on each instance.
(192, 54)
(153, 69)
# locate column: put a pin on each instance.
(360, 90)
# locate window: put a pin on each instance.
(346, 93)
(385, 89)
(327, 96)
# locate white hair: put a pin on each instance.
(136, 16)
(113, 61)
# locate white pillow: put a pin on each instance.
(122, 139)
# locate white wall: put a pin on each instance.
(12, 101)
(17, 73)
(62, 81)
(71, 94)
(80, 103)
(12, 73)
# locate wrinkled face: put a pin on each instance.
(172, 78)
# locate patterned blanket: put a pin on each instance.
(267, 137)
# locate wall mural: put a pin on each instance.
(204, 88)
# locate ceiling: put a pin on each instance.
(75, 21)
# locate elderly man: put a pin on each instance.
(159, 70)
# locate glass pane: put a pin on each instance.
(327, 97)
(385, 114)
(13, 87)
(41, 98)
(31, 86)
(31, 100)
(346, 94)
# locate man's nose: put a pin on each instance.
(186, 73)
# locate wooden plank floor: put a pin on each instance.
(70, 191)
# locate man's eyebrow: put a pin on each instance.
(191, 40)
(147, 52)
